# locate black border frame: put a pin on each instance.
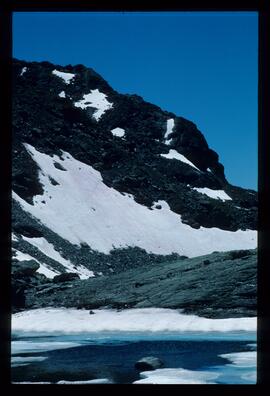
(7, 7)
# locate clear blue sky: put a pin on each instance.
(199, 65)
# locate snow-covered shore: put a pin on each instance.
(74, 321)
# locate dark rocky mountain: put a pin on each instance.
(139, 165)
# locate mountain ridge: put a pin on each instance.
(105, 182)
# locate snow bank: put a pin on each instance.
(242, 359)
(67, 77)
(17, 361)
(74, 321)
(29, 382)
(18, 347)
(63, 382)
(173, 154)
(43, 268)
(48, 249)
(120, 132)
(244, 364)
(47, 271)
(176, 376)
(81, 208)
(215, 194)
(95, 99)
(94, 381)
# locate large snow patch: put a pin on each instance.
(97, 100)
(81, 208)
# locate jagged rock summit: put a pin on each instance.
(104, 182)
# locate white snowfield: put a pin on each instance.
(215, 194)
(170, 126)
(97, 100)
(48, 249)
(173, 154)
(74, 321)
(43, 268)
(120, 132)
(67, 77)
(176, 376)
(81, 208)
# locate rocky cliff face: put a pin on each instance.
(105, 182)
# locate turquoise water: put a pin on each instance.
(112, 356)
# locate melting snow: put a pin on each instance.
(24, 69)
(244, 363)
(25, 360)
(173, 154)
(62, 382)
(74, 321)
(215, 194)
(48, 249)
(170, 126)
(94, 381)
(176, 376)
(97, 100)
(67, 77)
(242, 359)
(26, 346)
(62, 94)
(14, 237)
(117, 221)
(120, 132)
(43, 268)
(29, 382)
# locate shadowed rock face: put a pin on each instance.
(218, 285)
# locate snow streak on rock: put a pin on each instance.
(170, 126)
(97, 100)
(120, 132)
(215, 194)
(43, 268)
(173, 154)
(67, 77)
(48, 249)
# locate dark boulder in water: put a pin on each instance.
(149, 363)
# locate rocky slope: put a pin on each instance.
(218, 285)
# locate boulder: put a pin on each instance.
(66, 277)
(149, 363)
(24, 268)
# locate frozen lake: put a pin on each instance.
(190, 356)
